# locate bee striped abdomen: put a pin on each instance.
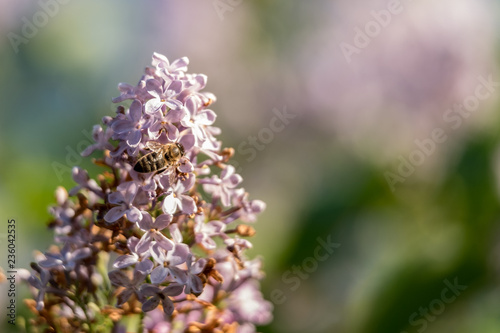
(149, 163)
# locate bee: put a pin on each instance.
(162, 157)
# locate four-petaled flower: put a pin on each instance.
(176, 199)
(153, 234)
(136, 257)
(67, 259)
(124, 197)
(119, 278)
(194, 284)
(157, 295)
(129, 127)
(224, 186)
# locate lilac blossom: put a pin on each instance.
(194, 284)
(124, 198)
(136, 257)
(176, 198)
(40, 283)
(205, 231)
(119, 278)
(81, 177)
(163, 97)
(223, 187)
(167, 262)
(157, 296)
(196, 120)
(129, 126)
(153, 234)
(166, 232)
(101, 138)
(249, 305)
(67, 259)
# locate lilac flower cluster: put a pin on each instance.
(174, 238)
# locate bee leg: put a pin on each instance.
(157, 172)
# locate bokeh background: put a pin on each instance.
(325, 176)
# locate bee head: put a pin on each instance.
(178, 150)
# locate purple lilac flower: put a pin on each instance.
(167, 231)
(119, 278)
(176, 198)
(136, 257)
(194, 284)
(124, 198)
(223, 187)
(81, 177)
(40, 283)
(101, 138)
(167, 262)
(157, 296)
(153, 234)
(67, 259)
(205, 231)
(128, 127)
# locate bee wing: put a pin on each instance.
(172, 175)
(154, 146)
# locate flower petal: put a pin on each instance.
(187, 141)
(198, 266)
(172, 132)
(122, 126)
(125, 261)
(192, 104)
(145, 242)
(151, 304)
(135, 110)
(153, 106)
(148, 290)
(159, 274)
(81, 254)
(170, 204)
(115, 213)
(175, 232)
(163, 241)
(162, 221)
(119, 278)
(206, 117)
(179, 254)
(146, 222)
(144, 267)
(134, 138)
(185, 165)
(134, 214)
(130, 192)
(172, 289)
(50, 262)
(168, 306)
(195, 283)
(188, 204)
(178, 275)
(116, 198)
(180, 64)
(124, 296)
